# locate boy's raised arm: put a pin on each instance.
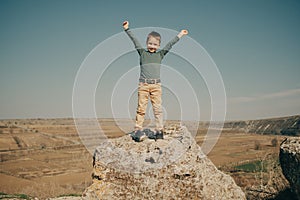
(136, 43)
(167, 48)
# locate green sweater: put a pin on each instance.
(150, 63)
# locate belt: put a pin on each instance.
(149, 81)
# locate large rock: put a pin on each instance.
(172, 168)
(290, 162)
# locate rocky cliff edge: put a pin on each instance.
(290, 162)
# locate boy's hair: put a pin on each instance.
(155, 35)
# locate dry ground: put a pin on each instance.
(233, 148)
(45, 158)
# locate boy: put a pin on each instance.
(149, 81)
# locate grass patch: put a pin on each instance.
(255, 166)
(258, 165)
(19, 196)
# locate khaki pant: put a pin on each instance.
(154, 92)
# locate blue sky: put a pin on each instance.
(255, 45)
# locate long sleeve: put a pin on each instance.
(136, 43)
(167, 48)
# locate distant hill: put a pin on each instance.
(276, 126)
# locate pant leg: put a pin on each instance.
(143, 95)
(155, 97)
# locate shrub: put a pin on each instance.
(274, 142)
(18, 141)
(257, 145)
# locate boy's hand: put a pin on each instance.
(125, 25)
(182, 33)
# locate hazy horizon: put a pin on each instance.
(71, 118)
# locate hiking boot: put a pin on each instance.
(147, 131)
(150, 134)
(138, 136)
(159, 135)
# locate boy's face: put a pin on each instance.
(153, 44)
